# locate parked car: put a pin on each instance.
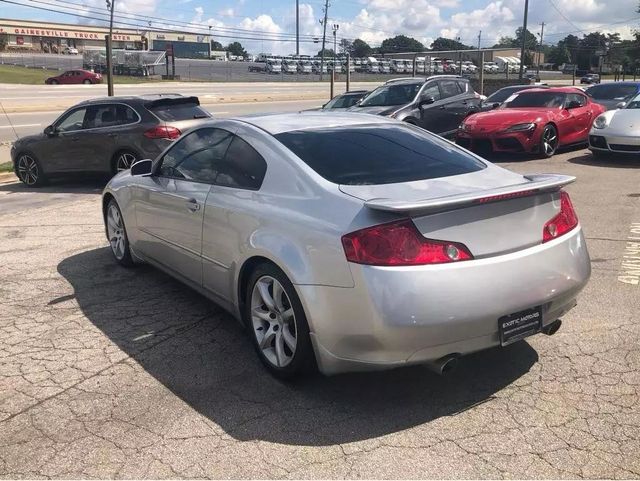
(105, 135)
(617, 131)
(75, 77)
(437, 103)
(532, 121)
(345, 100)
(387, 250)
(69, 50)
(590, 78)
(613, 95)
(497, 98)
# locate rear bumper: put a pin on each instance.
(398, 316)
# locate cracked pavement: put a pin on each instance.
(114, 373)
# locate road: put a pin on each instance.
(14, 125)
(114, 373)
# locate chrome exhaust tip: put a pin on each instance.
(551, 329)
(444, 365)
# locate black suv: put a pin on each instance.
(438, 103)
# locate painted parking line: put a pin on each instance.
(630, 266)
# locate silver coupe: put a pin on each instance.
(617, 131)
(351, 242)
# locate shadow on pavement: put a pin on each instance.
(202, 356)
(67, 185)
(615, 161)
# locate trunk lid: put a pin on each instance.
(492, 211)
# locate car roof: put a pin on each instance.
(558, 90)
(355, 92)
(131, 98)
(627, 82)
(307, 120)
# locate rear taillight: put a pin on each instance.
(400, 244)
(565, 221)
(163, 132)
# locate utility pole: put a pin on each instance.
(110, 6)
(297, 27)
(540, 46)
(480, 63)
(524, 38)
(335, 59)
(324, 35)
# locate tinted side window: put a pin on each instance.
(431, 90)
(196, 156)
(242, 167)
(375, 154)
(576, 98)
(449, 88)
(612, 91)
(463, 86)
(74, 120)
(109, 115)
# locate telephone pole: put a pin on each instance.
(324, 35)
(110, 5)
(297, 27)
(524, 38)
(480, 63)
(540, 46)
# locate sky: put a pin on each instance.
(269, 25)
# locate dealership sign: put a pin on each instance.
(39, 32)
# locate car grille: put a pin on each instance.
(625, 148)
(464, 142)
(598, 141)
(509, 143)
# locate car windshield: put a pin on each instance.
(536, 99)
(612, 91)
(343, 101)
(395, 94)
(178, 111)
(503, 94)
(378, 154)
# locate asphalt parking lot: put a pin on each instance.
(108, 372)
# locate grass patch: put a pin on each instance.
(6, 167)
(14, 74)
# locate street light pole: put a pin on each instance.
(540, 46)
(524, 38)
(297, 27)
(110, 6)
(324, 35)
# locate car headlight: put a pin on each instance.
(600, 122)
(521, 127)
(464, 127)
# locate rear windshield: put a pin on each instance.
(611, 92)
(378, 154)
(178, 111)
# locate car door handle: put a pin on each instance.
(192, 205)
(112, 135)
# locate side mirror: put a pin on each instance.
(621, 105)
(50, 131)
(142, 168)
(495, 105)
(574, 104)
(426, 101)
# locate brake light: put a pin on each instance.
(400, 244)
(564, 222)
(163, 132)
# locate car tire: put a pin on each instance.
(117, 235)
(277, 324)
(123, 160)
(28, 169)
(53, 82)
(87, 82)
(548, 141)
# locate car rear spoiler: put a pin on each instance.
(536, 184)
(171, 101)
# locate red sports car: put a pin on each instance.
(532, 121)
(75, 77)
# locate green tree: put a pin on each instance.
(442, 43)
(401, 43)
(345, 46)
(531, 41)
(328, 52)
(236, 48)
(360, 48)
(216, 46)
(3, 41)
(558, 55)
(508, 42)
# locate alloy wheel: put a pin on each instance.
(115, 231)
(125, 161)
(28, 169)
(273, 321)
(549, 141)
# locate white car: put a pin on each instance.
(617, 131)
(70, 51)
